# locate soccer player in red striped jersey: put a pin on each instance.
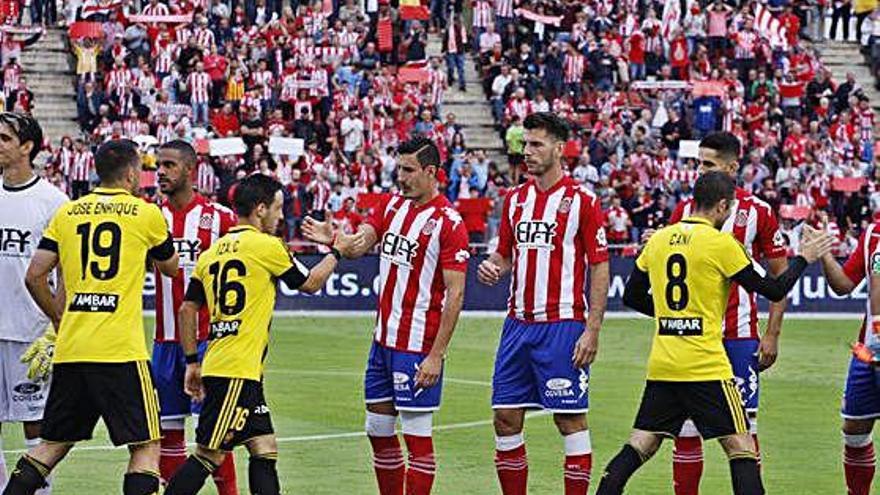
(861, 396)
(551, 232)
(423, 249)
(195, 223)
(753, 224)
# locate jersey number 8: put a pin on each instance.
(222, 287)
(676, 272)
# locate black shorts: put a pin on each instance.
(715, 407)
(120, 393)
(234, 411)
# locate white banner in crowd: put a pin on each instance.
(292, 147)
(688, 148)
(227, 146)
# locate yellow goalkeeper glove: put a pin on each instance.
(39, 356)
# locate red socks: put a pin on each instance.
(224, 476)
(388, 464)
(422, 467)
(858, 466)
(172, 453)
(687, 465)
(577, 474)
(511, 464)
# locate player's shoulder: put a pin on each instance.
(48, 192)
(759, 204)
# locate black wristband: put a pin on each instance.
(192, 358)
(336, 254)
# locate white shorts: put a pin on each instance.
(20, 398)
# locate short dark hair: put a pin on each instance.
(253, 191)
(184, 148)
(26, 128)
(553, 124)
(425, 150)
(724, 143)
(114, 158)
(711, 188)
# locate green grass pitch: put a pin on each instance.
(314, 389)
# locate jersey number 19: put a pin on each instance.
(103, 242)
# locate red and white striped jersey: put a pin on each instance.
(483, 15)
(251, 102)
(182, 35)
(859, 265)
(204, 37)
(753, 224)
(550, 237)
(164, 59)
(165, 133)
(199, 84)
(64, 161)
(504, 8)
(416, 245)
(11, 75)
(521, 108)
(573, 67)
(119, 80)
(265, 79)
(131, 128)
(206, 180)
(320, 190)
(865, 120)
(193, 229)
(158, 9)
(438, 83)
(83, 163)
(745, 44)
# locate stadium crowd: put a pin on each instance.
(352, 79)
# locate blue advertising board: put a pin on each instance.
(355, 285)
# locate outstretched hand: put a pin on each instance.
(317, 231)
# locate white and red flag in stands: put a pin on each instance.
(770, 28)
(671, 18)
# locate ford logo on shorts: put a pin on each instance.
(27, 388)
(558, 384)
(400, 378)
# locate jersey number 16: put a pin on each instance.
(222, 287)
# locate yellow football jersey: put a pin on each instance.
(690, 265)
(238, 275)
(102, 240)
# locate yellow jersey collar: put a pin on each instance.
(110, 191)
(704, 221)
(242, 228)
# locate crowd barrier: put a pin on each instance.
(355, 285)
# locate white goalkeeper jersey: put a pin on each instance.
(25, 212)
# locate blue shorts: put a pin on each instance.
(533, 368)
(169, 371)
(391, 376)
(861, 395)
(743, 356)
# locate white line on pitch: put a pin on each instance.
(460, 381)
(309, 438)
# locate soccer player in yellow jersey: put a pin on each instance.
(236, 279)
(101, 365)
(689, 267)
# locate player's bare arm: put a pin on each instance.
(493, 268)
(356, 245)
(768, 349)
(588, 345)
(432, 365)
(168, 267)
(776, 288)
(37, 282)
(836, 278)
(188, 322)
(319, 274)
